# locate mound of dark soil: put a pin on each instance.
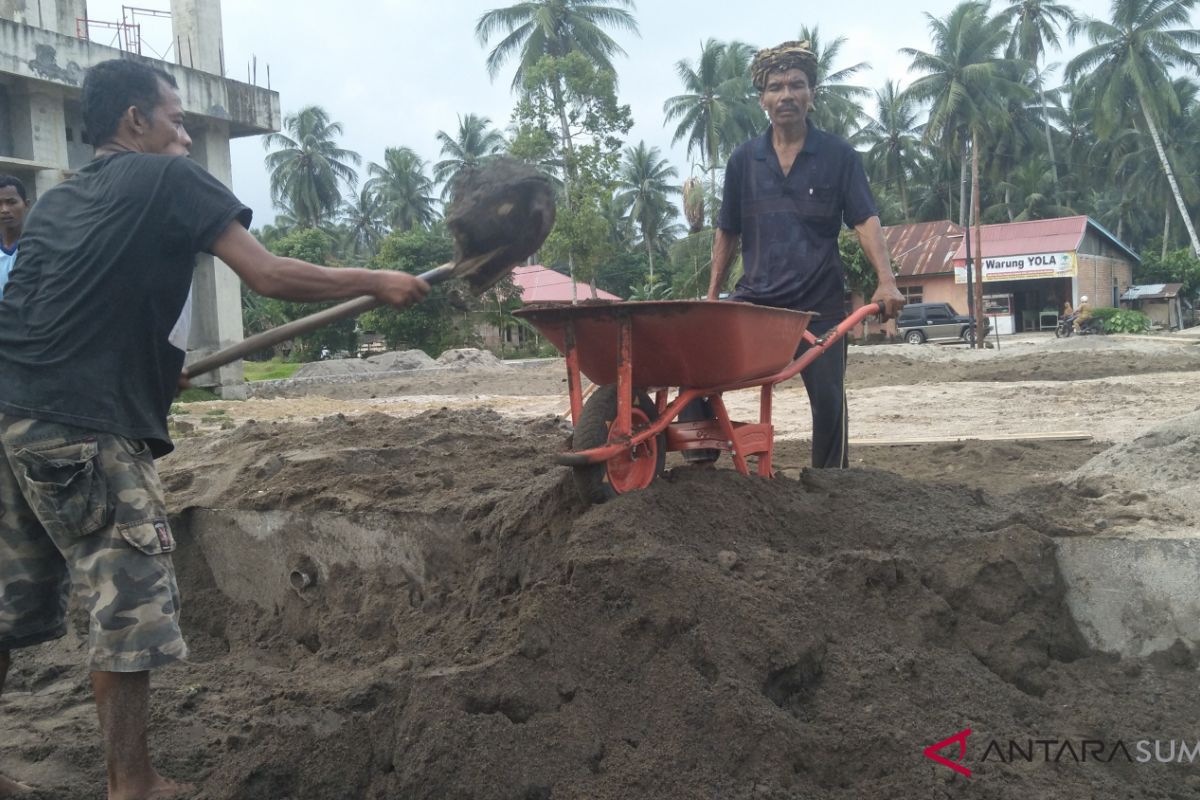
(711, 637)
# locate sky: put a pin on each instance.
(395, 72)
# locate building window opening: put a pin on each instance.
(912, 294)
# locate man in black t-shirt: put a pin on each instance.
(787, 194)
(88, 370)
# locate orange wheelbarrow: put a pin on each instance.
(637, 352)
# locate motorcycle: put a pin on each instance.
(1066, 327)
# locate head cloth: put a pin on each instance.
(789, 55)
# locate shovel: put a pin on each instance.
(500, 216)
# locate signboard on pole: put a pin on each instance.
(1017, 268)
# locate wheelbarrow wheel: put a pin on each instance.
(631, 469)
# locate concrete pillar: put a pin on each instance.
(48, 134)
(52, 15)
(216, 290)
(69, 11)
(16, 11)
(198, 34)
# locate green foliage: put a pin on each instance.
(580, 237)
(307, 244)
(691, 265)
(434, 324)
(316, 247)
(1178, 266)
(1119, 320)
(625, 270)
(578, 98)
(195, 395)
(273, 370)
(860, 275)
(652, 290)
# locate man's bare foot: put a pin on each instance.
(163, 789)
(10, 788)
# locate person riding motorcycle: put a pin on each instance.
(1084, 313)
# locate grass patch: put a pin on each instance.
(196, 396)
(215, 412)
(272, 370)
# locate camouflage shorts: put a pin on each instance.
(83, 512)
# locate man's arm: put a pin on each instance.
(870, 236)
(725, 247)
(292, 279)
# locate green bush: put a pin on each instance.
(1124, 321)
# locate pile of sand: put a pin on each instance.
(712, 636)
(391, 361)
(335, 368)
(467, 358)
(402, 359)
(471, 359)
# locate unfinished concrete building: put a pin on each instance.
(44, 51)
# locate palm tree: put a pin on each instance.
(365, 221)
(644, 190)
(308, 167)
(1073, 112)
(718, 110)
(966, 83)
(836, 102)
(1028, 194)
(894, 140)
(1138, 166)
(1036, 25)
(1131, 57)
(475, 142)
(404, 188)
(1015, 143)
(540, 28)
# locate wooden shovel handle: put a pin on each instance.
(297, 327)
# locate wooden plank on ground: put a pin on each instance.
(1051, 436)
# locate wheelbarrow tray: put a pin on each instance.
(685, 343)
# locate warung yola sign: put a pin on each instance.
(1015, 268)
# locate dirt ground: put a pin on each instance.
(713, 636)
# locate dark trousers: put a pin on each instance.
(825, 382)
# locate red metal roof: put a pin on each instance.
(1061, 235)
(541, 285)
(923, 248)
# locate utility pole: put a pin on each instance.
(965, 222)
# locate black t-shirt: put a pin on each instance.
(105, 268)
(789, 224)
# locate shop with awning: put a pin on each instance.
(1032, 270)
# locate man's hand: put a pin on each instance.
(892, 300)
(400, 289)
(725, 247)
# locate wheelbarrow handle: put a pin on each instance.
(297, 327)
(819, 345)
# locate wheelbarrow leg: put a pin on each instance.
(574, 389)
(718, 407)
(764, 418)
(623, 424)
